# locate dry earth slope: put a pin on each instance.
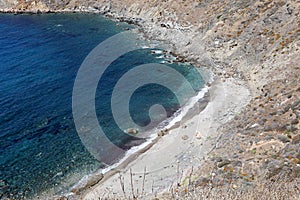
(257, 41)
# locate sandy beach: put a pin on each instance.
(174, 155)
(251, 122)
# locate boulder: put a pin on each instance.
(198, 135)
(132, 131)
(162, 132)
(283, 138)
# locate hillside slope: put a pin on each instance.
(256, 41)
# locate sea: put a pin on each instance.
(40, 56)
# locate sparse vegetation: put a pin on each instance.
(258, 155)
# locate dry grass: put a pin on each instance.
(262, 191)
(273, 189)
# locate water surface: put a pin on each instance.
(39, 59)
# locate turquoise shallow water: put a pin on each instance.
(39, 59)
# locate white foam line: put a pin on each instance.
(159, 57)
(146, 47)
(157, 51)
(128, 153)
(183, 111)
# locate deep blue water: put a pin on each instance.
(39, 59)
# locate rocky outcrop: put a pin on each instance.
(8, 4)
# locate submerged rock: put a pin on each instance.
(132, 131)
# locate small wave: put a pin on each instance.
(146, 47)
(168, 123)
(178, 115)
(130, 152)
(156, 51)
(160, 57)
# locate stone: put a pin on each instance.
(132, 131)
(162, 132)
(62, 198)
(198, 135)
(295, 121)
(283, 138)
(185, 137)
(201, 181)
(237, 163)
(223, 163)
(296, 139)
(296, 171)
(274, 168)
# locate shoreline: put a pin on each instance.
(159, 132)
(86, 192)
(140, 153)
(249, 45)
(173, 151)
(207, 75)
(106, 14)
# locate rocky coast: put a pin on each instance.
(248, 142)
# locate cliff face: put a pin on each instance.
(257, 41)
